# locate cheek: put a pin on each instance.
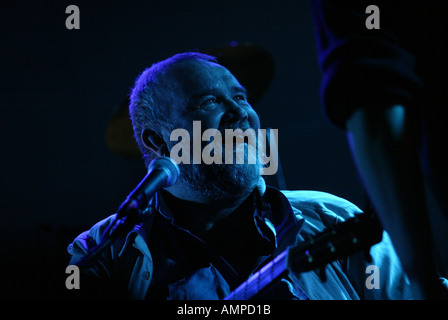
(254, 120)
(211, 120)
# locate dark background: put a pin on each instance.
(60, 87)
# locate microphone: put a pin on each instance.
(163, 172)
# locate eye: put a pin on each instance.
(208, 101)
(240, 97)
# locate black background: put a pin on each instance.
(59, 88)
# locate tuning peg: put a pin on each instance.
(331, 247)
(309, 256)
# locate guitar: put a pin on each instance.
(354, 235)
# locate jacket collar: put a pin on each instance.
(271, 206)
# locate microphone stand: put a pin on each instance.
(126, 219)
(130, 211)
(162, 172)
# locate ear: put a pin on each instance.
(155, 142)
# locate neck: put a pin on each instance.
(199, 213)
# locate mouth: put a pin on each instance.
(242, 125)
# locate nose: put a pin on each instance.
(234, 112)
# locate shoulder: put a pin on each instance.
(322, 202)
(320, 209)
(90, 238)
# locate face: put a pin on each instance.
(209, 93)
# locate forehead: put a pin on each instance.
(196, 76)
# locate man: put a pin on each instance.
(220, 223)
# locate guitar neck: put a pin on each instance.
(355, 234)
(271, 272)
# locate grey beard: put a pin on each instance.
(218, 181)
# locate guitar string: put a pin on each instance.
(259, 278)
